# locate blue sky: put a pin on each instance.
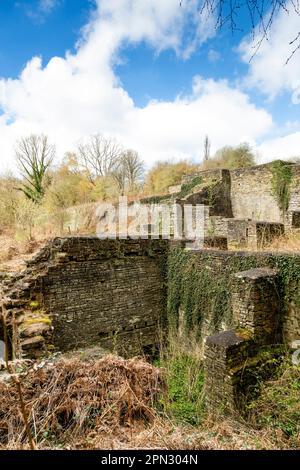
(49, 33)
(130, 71)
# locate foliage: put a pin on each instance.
(231, 158)
(165, 174)
(204, 292)
(69, 399)
(186, 188)
(183, 399)
(155, 199)
(281, 184)
(34, 156)
(9, 200)
(69, 185)
(26, 218)
(278, 405)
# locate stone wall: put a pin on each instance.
(237, 360)
(245, 233)
(81, 292)
(214, 191)
(252, 197)
(201, 285)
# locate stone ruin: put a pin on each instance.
(241, 209)
(81, 292)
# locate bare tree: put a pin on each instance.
(100, 156)
(260, 14)
(206, 148)
(129, 171)
(134, 167)
(34, 156)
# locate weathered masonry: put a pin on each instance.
(233, 358)
(248, 207)
(81, 292)
(202, 288)
(243, 308)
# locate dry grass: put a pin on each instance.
(13, 253)
(69, 399)
(110, 404)
(289, 242)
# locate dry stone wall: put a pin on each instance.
(200, 286)
(236, 359)
(81, 292)
(252, 195)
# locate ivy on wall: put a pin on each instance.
(187, 188)
(281, 184)
(200, 284)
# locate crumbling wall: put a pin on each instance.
(245, 233)
(80, 292)
(252, 194)
(213, 191)
(236, 360)
(200, 286)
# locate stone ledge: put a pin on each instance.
(256, 273)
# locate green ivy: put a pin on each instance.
(202, 286)
(281, 184)
(188, 187)
(155, 199)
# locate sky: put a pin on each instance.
(154, 75)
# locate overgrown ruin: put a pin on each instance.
(122, 295)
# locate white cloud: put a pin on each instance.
(39, 10)
(282, 147)
(72, 97)
(213, 55)
(268, 70)
(47, 5)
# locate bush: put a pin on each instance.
(231, 158)
(165, 174)
(278, 406)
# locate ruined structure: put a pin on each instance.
(249, 207)
(121, 295)
(81, 292)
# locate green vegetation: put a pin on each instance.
(183, 398)
(281, 184)
(278, 405)
(165, 174)
(231, 158)
(34, 155)
(185, 379)
(188, 187)
(155, 199)
(203, 292)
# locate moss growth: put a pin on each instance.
(34, 305)
(281, 184)
(155, 199)
(35, 320)
(244, 333)
(188, 187)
